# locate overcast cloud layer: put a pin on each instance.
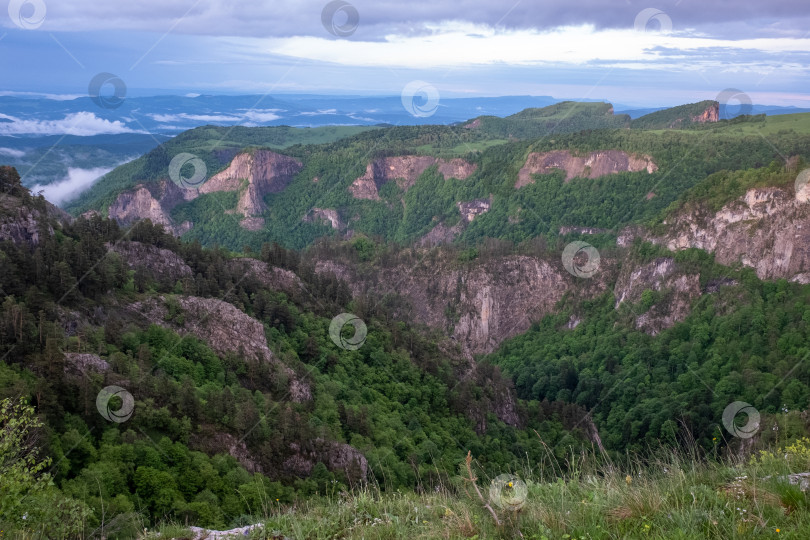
(566, 48)
(382, 17)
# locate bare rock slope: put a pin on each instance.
(479, 306)
(767, 229)
(263, 170)
(594, 165)
(222, 326)
(141, 203)
(405, 170)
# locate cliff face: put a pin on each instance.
(325, 215)
(443, 234)
(24, 222)
(767, 229)
(594, 165)
(265, 172)
(711, 114)
(22, 225)
(478, 306)
(405, 170)
(159, 264)
(223, 327)
(139, 203)
(255, 174)
(269, 277)
(676, 291)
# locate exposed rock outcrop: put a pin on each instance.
(678, 289)
(336, 456)
(81, 363)
(263, 171)
(581, 230)
(472, 209)
(479, 306)
(711, 114)
(161, 265)
(212, 441)
(253, 174)
(22, 225)
(141, 203)
(441, 234)
(767, 229)
(222, 326)
(270, 277)
(24, 219)
(469, 210)
(325, 215)
(594, 165)
(405, 170)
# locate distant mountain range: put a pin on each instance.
(52, 140)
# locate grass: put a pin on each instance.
(675, 496)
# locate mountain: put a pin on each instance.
(487, 177)
(695, 113)
(525, 290)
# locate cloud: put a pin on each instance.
(184, 117)
(10, 152)
(83, 124)
(463, 44)
(319, 112)
(72, 185)
(40, 95)
(251, 116)
(382, 17)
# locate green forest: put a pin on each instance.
(217, 438)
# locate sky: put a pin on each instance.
(644, 53)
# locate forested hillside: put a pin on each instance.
(218, 432)
(177, 352)
(426, 206)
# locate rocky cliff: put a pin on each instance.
(269, 277)
(711, 114)
(222, 326)
(255, 175)
(154, 202)
(675, 290)
(469, 210)
(158, 264)
(25, 219)
(20, 224)
(767, 229)
(479, 305)
(325, 215)
(405, 170)
(594, 165)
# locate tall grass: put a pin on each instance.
(669, 495)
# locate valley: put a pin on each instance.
(557, 283)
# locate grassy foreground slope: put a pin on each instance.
(671, 497)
